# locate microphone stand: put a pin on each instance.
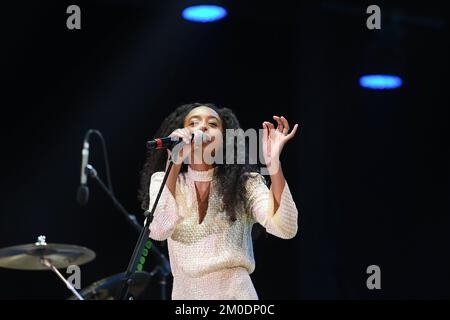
(164, 267)
(143, 237)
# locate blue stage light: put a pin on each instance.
(204, 13)
(380, 81)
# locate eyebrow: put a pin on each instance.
(209, 117)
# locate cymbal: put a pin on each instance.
(143, 287)
(28, 256)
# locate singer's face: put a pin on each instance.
(207, 120)
(204, 119)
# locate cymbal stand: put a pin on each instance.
(48, 264)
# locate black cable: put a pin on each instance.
(105, 155)
(165, 266)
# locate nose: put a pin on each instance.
(203, 127)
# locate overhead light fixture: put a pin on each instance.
(380, 81)
(204, 13)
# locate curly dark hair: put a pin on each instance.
(231, 178)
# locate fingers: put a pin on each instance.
(280, 124)
(294, 130)
(268, 129)
(201, 137)
(265, 131)
(269, 125)
(285, 124)
(187, 135)
(183, 134)
(181, 150)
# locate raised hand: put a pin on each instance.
(274, 139)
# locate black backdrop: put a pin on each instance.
(369, 170)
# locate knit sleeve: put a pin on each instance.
(166, 215)
(282, 223)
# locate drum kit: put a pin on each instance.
(128, 285)
(50, 256)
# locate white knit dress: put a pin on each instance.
(213, 260)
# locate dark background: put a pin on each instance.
(369, 170)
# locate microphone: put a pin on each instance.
(170, 142)
(163, 143)
(83, 190)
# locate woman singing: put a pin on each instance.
(207, 210)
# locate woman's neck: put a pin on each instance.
(200, 174)
(201, 167)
